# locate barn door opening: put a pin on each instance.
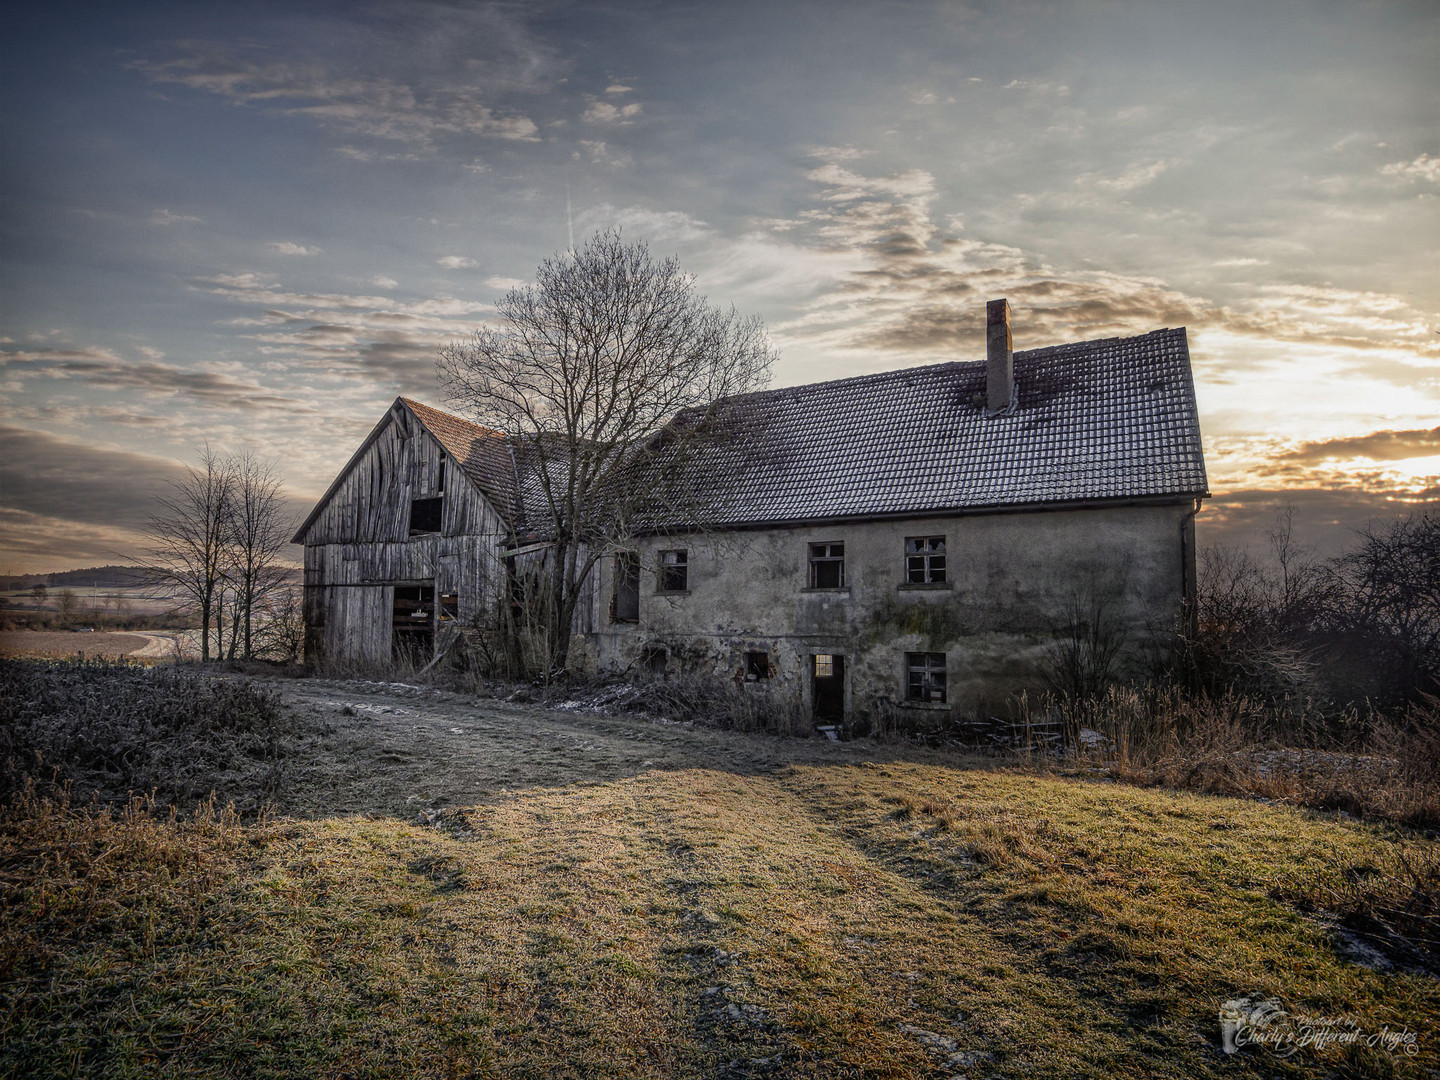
(827, 674)
(412, 624)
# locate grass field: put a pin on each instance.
(832, 918)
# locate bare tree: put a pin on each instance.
(258, 529)
(587, 368)
(188, 538)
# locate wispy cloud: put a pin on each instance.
(1423, 168)
(166, 217)
(288, 247)
(605, 112)
(456, 262)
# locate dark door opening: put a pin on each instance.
(412, 624)
(827, 673)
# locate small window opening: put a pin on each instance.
(440, 475)
(757, 666)
(824, 666)
(926, 677)
(425, 515)
(653, 659)
(674, 572)
(449, 608)
(924, 559)
(827, 566)
(625, 603)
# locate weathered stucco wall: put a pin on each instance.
(1013, 581)
(359, 548)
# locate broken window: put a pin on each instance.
(757, 666)
(625, 603)
(425, 515)
(827, 566)
(652, 659)
(926, 676)
(674, 572)
(924, 559)
(449, 608)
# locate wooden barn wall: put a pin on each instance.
(359, 547)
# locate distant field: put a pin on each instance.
(480, 889)
(65, 644)
(89, 601)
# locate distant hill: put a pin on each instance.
(95, 577)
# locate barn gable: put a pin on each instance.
(404, 541)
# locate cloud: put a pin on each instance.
(617, 88)
(604, 112)
(43, 474)
(437, 75)
(495, 281)
(286, 247)
(102, 367)
(165, 217)
(1423, 168)
(456, 262)
(381, 282)
(1377, 446)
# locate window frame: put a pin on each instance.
(920, 556)
(822, 555)
(926, 665)
(432, 502)
(664, 571)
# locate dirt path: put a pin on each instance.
(395, 750)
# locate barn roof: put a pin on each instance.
(1093, 421)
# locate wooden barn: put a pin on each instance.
(406, 540)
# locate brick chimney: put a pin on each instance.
(999, 359)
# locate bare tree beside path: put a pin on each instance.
(586, 371)
(216, 542)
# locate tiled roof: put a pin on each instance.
(483, 454)
(1095, 420)
(1111, 419)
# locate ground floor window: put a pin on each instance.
(925, 673)
(653, 659)
(757, 666)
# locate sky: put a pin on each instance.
(253, 225)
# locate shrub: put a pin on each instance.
(112, 729)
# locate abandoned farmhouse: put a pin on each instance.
(920, 539)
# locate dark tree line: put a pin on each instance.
(1363, 626)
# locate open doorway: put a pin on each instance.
(412, 624)
(827, 675)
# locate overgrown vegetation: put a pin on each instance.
(109, 730)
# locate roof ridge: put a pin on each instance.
(890, 373)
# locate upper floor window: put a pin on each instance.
(673, 573)
(924, 559)
(827, 566)
(925, 676)
(426, 515)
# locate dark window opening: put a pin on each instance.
(412, 623)
(440, 476)
(674, 572)
(925, 672)
(757, 666)
(924, 559)
(652, 659)
(827, 566)
(425, 515)
(625, 604)
(449, 609)
(827, 681)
